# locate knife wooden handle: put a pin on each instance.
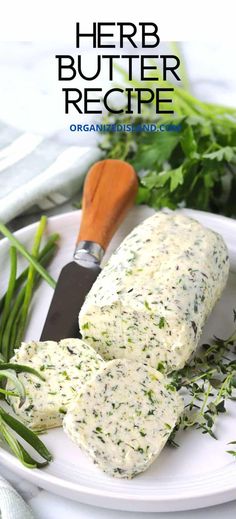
(109, 191)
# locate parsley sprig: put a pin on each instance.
(194, 167)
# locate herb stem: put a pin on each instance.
(30, 281)
(47, 252)
(206, 396)
(11, 332)
(202, 376)
(45, 275)
(10, 291)
(7, 347)
(222, 389)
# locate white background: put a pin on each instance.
(30, 95)
(179, 20)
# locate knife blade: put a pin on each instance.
(62, 319)
(109, 191)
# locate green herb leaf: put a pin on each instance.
(29, 436)
(204, 150)
(225, 153)
(18, 386)
(20, 368)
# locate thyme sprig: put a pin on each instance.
(207, 382)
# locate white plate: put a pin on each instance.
(197, 474)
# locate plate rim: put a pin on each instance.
(45, 479)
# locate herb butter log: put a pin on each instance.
(66, 366)
(154, 295)
(122, 418)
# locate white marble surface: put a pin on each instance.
(24, 69)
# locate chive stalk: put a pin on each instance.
(10, 333)
(10, 290)
(15, 242)
(30, 281)
(8, 329)
(46, 252)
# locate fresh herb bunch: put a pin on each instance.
(194, 167)
(15, 304)
(208, 381)
(14, 310)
